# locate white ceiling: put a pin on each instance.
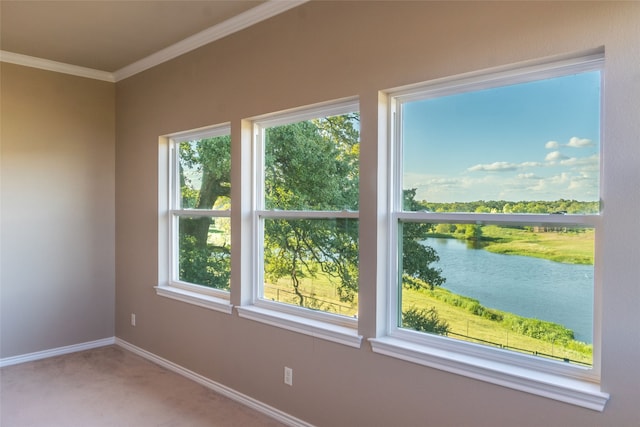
(120, 38)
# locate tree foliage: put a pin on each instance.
(424, 320)
(208, 266)
(205, 170)
(311, 165)
(473, 232)
(504, 206)
(417, 258)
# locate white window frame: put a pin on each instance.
(329, 326)
(170, 212)
(556, 380)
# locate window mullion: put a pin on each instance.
(202, 212)
(498, 219)
(258, 203)
(173, 177)
(296, 214)
(174, 248)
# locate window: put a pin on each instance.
(198, 250)
(306, 214)
(494, 224)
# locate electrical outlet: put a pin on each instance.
(133, 319)
(288, 376)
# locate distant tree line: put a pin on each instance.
(561, 206)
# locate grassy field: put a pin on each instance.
(467, 326)
(569, 247)
(320, 294)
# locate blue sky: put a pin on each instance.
(531, 141)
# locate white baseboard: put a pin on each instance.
(217, 387)
(14, 360)
(210, 384)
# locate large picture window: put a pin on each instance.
(306, 216)
(495, 218)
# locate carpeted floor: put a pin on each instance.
(110, 386)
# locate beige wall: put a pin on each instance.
(326, 50)
(58, 214)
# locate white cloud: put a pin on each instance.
(585, 186)
(530, 164)
(550, 185)
(429, 184)
(555, 156)
(494, 167)
(562, 178)
(551, 145)
(445, 181)
(503, 166)
(558, 176)
(527, 176)
(576, 142)
(593, 161)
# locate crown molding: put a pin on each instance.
(239, 22)
(59, 67)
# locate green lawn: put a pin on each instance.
(574, 247)
(569, 247)
(319, 293)
(464, 325)
(469, 327)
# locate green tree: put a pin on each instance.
(204, 171)
(417, 258)
(313, 165)
(445, 228)
(473, 232)
(310, 166)
(425, 320)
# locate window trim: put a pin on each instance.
(578, 392)
(324, 325)
(304, 324)
(169, 285)
(571, 384)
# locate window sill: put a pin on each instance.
(195, 298)
(303, 325)
(569, 390)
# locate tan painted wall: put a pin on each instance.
(327, 50)
(58, 212)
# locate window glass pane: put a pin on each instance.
(506, 149)
(205, 251)
(204, 173)
(312, 263)
(313, 164)
(522, 288)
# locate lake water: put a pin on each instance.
(529, 287)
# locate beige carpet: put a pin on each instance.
(110, 386)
